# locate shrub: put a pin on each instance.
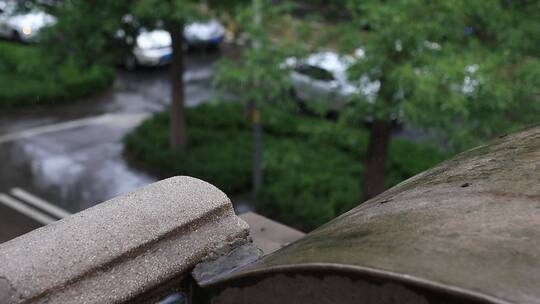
(312, 168)
(28, 78)
(219, 147)
(307, 183)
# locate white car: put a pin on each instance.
(22, 26)
(154, 48)
(321, 78)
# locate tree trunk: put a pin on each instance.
(257, 154)
(377, 153)
(257, 176)
(178, 137)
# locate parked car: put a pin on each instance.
(22, 26)
(208, 33)
(154, 48)
(151, 48)
(322, 78)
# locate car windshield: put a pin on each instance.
(6, 8)
(314, 72)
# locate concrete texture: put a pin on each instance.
(121, 248)
(269, 235)
(468, 228)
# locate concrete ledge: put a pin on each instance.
(122, 248)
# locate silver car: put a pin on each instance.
(22, 26)
(321, 80)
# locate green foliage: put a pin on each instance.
(86, 32)
(172, 11)
(184, 11)
(219, 149)
(311, 166)
(257, 76)
(28, 77)
(307, 183)
(464, 68)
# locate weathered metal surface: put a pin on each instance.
(123, 248)
(220, 266)
(468, 228)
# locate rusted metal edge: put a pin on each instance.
(331, 268)
(214, 268)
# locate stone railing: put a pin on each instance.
(134, 248)
(465, 231)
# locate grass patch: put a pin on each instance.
(312, 168)
(27, 77)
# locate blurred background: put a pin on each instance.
(298, 110)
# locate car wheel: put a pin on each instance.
(213, 47)
(292, 94)
(15, 36)
(299, 102)
(332, 115)
(130, 63)
(186, 46)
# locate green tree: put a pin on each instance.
(257, 77)
(468, 69)
(87, 31)
(84, 32)
(175, 14)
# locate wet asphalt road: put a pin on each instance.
(71, 155)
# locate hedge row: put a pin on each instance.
(28, 78)
(312, 168)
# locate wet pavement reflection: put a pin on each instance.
(71, 155)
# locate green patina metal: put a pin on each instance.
(468, 227)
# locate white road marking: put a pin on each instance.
(24, 209)
(39, 203)
(115, 119)
(53, 128)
